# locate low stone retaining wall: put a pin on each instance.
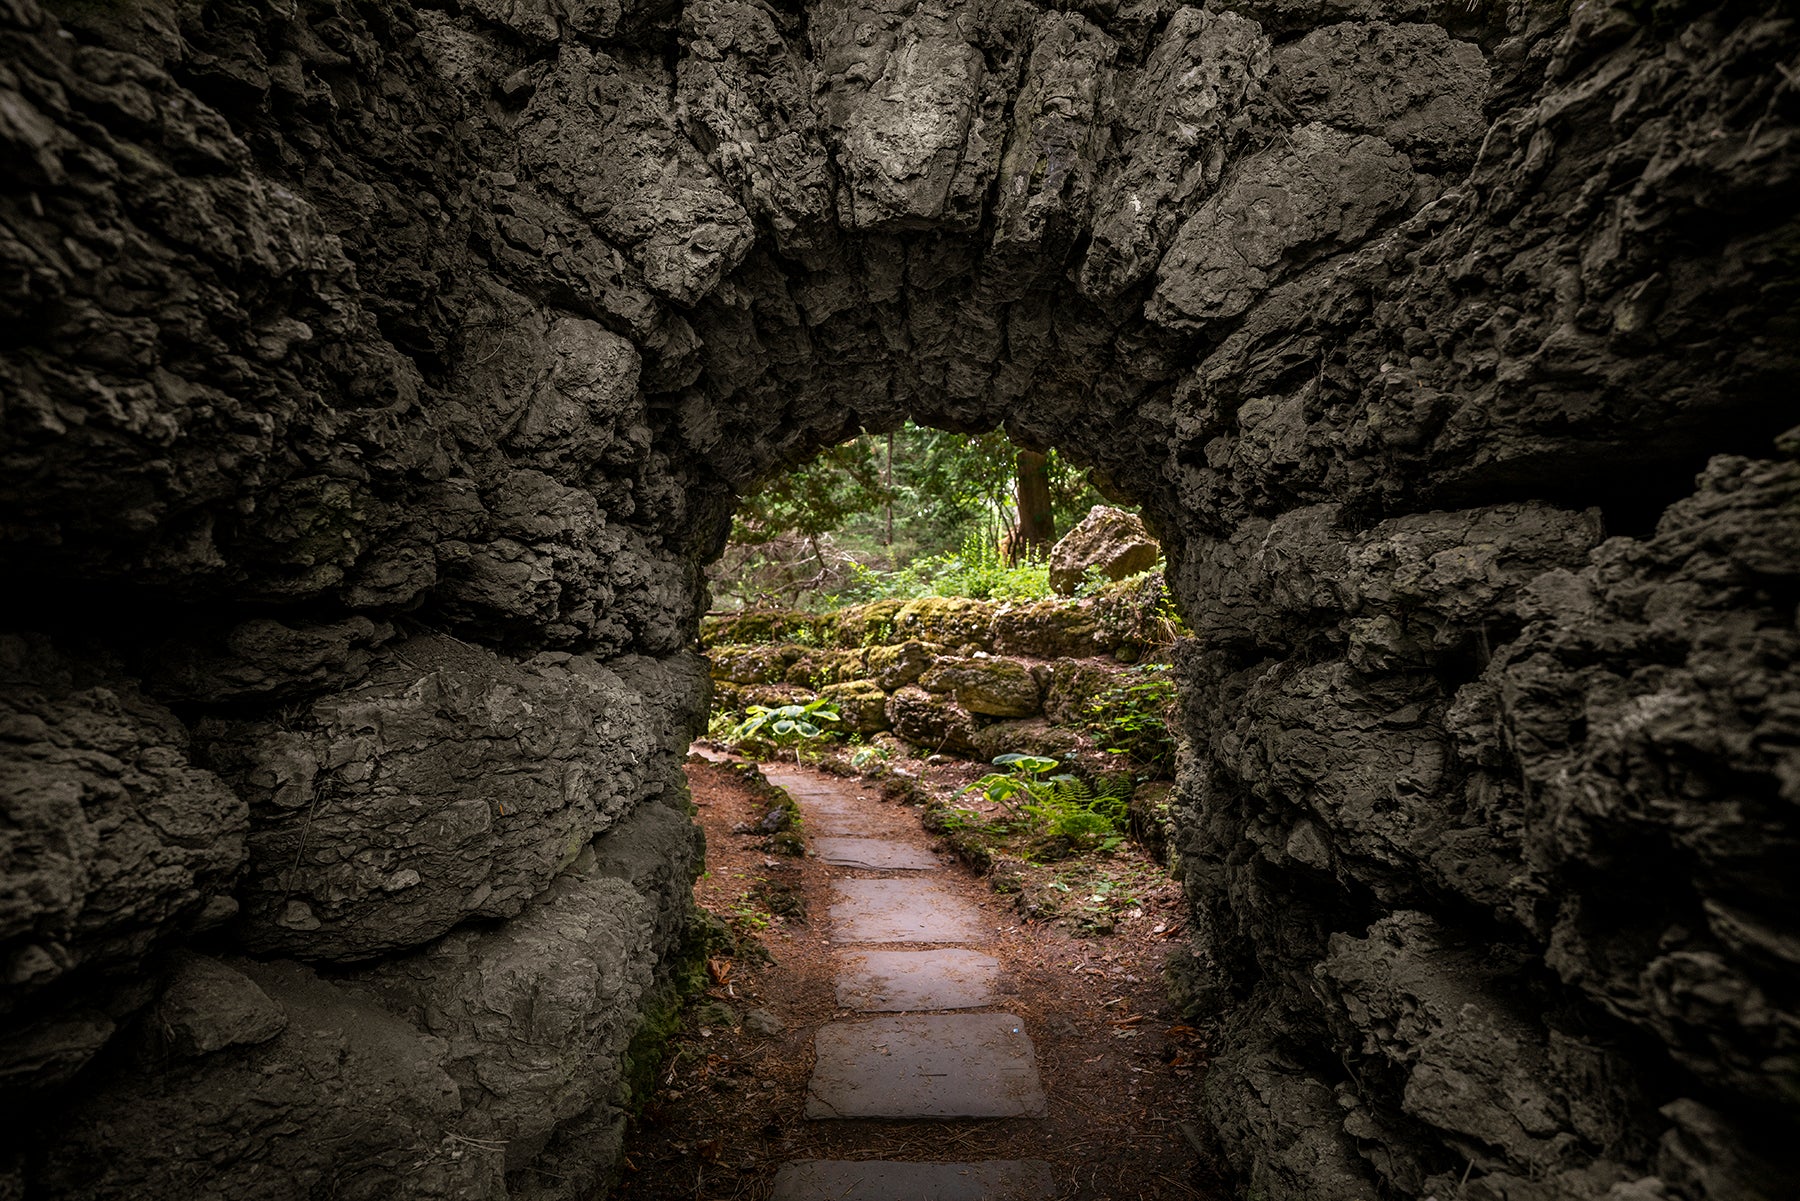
(966, 677)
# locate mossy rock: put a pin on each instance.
(758, 628)
(1151, 824)
(861, 704)
(819, 668)
(894, 667)
(1048, 629)
(1033, 736)
(989, 686)
(1073, 685)
(1110, 541)
(871, 624)
(753, 664)
(1136, 615)
(932, 723)
(950, 620)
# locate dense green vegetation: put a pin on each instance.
(920, 512)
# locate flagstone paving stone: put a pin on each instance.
(833, 824)
(875, 854)
(959, 1065)
(881, 1180)
(900, 981)
(826, 808)
(903, 910)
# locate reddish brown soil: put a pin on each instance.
(1119, 1070)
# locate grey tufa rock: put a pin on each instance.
(536, 1017)
(116, 846)
(454, 332)
(384, 816)
(762, 1023)
(371, 1091)
(1109, 540)
(207, 1006)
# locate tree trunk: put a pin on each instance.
(1037, 523)
(887, 482)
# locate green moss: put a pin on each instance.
(759, 628)
(649, 1046)
(953, 620)
(894, 667)
(1047, 628)
(871, 624)
(862, 704)
(816, 669)
(989, 686)
(753, 664)
(1137, 614)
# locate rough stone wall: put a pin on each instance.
(965, 677)
(374, 379)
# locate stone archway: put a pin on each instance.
(378, 377)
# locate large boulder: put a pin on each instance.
(986, 685)
(894, 667)
(871, 624)
(112, 845)
(954, 621)
(1029, 736)
(935, 723)
(455, 783)
(753, 663)
(817, 668)
(861, 704)
(1048, 629)
(1109, 539)
(1072, 686)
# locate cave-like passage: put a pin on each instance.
(395, 366)
(976, 676)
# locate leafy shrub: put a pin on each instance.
(1020, 780)
(865, 758)
(977, 571)
(1084, 815)
(785, 725)
(1132, 718)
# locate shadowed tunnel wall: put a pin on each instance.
(375, 380)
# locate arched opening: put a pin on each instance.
(935, 796)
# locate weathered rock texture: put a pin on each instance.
(1449, 348)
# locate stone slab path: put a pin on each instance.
(876, 854)
(875, 1180)
(916, 1061)
(909, 981)
(910, 910)
(963, 1065)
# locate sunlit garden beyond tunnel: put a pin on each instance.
(1262, 537)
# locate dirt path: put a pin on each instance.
(912, 1037)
